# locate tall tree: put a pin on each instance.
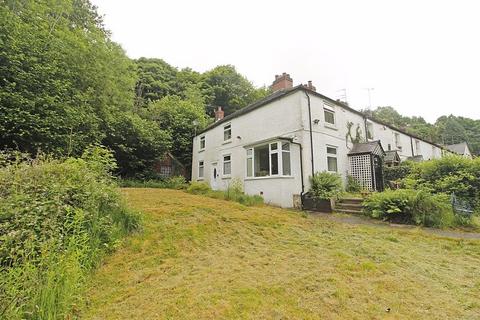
(229, 89)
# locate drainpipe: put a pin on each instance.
(311, 134)
(301, 167)
(411, 145)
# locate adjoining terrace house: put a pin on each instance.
(274, 145)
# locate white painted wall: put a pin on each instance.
(280, 118)
(288, 117)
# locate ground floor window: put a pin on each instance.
(227, 165)
(166, 171)
(332, 159)
(269, 160)
(200, 169)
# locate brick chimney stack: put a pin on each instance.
(310, 86)
(219, 114)
(282, 82)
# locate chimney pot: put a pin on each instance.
(282, 82)
(219, 114)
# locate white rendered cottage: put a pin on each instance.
(274, 145)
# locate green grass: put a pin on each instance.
(203, 258)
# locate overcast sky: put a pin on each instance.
(421, 57)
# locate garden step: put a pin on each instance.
(348, 211)
(352, 206)
(350, 200)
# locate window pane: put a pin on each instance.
(273, 146)
(227, 167)
(332, 164)
(249, 152)
(331, 150)
(226, 158)
(329, 116)
(261, 164)
(286, 163)
(202, 143)
(286, 146)
(274, 163)
(249, 167)
(200, 172)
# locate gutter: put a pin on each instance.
(311, 134)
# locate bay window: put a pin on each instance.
(272, 159)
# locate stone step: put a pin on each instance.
(348, 211)
(350, 200)
(352, 206)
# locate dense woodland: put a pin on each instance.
(65, 85)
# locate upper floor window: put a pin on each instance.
(332, 159)
(397, 141)
(202, 142)
(417, 147)
(227, 165)
(269, 160)
(227, 132)
(369, 130)
(329, 115)
(200, 169)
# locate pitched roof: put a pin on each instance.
(257, 104)
(374, 147)
(391, 156)
(282, 93)
(458, 147)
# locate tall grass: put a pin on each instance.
(57, 219)
(234, 192)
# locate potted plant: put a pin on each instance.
(324, 187)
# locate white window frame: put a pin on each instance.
(226, 128)
(201, 165)
(283, 151)
(223, 165)
(332, 155)
(249, 156)
(279, 151)
(202, 142)
(332, 111)
(398, 144)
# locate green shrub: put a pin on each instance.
(57, 219)
(411, 206)
(234, 192)
(353, 186)
(399, 172)
(450, 174)
(325, 185)
(198, 188)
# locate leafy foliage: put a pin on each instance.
(57, 218)
(397, 173)
(232, 193)
(452, 174)
(325, 185)
(353, 185)
(411, 206)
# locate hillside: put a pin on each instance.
(201, 258)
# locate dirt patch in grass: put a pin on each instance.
(201, 258)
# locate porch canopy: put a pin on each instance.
(366, 164)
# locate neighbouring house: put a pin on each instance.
(460, 149)
(276, 144)
(169, 166)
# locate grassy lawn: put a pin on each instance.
(201, 258)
